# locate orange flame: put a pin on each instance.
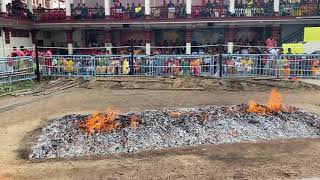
(134, 121)
(101, 122)
(273, 105)
(274, 102)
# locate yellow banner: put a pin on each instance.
(296, 48)
(311, 34)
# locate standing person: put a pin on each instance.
(69, 66)
(185, 67)
(270, 42)
(47, 61)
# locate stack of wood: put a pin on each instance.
(51, 87)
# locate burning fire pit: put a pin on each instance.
(107, 133)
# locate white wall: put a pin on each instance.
(14, 41)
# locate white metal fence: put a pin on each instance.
(225, 66)
(14, 69)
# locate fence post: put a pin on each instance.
(220, 60)
(37, 64)
(131, 60)
(278, 71)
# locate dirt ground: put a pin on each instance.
(20, 117)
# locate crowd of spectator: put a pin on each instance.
(170, 10)
(18, 9)
(132, 11)
(300, 8)
(83, 12)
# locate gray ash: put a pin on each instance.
(63, 138)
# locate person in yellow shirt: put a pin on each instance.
(125, 67)
(69, 66)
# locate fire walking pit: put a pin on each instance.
(108, 133)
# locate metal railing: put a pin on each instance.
(250, 65)
(49, 14)
(125, 13)
(210, 12)
(81, 66)
(223, 66)
(88, 13)
(19, 12)
(299, 66)
(14, 69)
(300, 8)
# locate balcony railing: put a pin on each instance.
(210, 12)
(168, 12)
(305, 8)
(49, 14)
(127, 13)
(300, 9)
(19, 12)
(260, 9)
(88, 13)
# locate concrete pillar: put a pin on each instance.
(3, 9)
(230, 37)
(188, 39)
(7, 35)
(107, 8)
(276, 6)
(68, 9)
(5, 40)
(232, 6)
(147, 7)
(148, 37)
(30, 5)
(189, 7)
(69, 37)
(108, 40)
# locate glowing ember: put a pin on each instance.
(273, 105)
(134, 121)
(205, 117)
(175, 114)
(101, 122)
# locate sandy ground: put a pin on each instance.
(280, 159)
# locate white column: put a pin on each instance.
(30, 5)
(107, 7)
(70, 48)
(148, 48)
(188, 48)
(3, 50)
(230, 47)
(276, 6)
(232, 6)
(147, 7)
(68, 8)
(3, 6)
(189, 7)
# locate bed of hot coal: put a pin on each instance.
(158, 129)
